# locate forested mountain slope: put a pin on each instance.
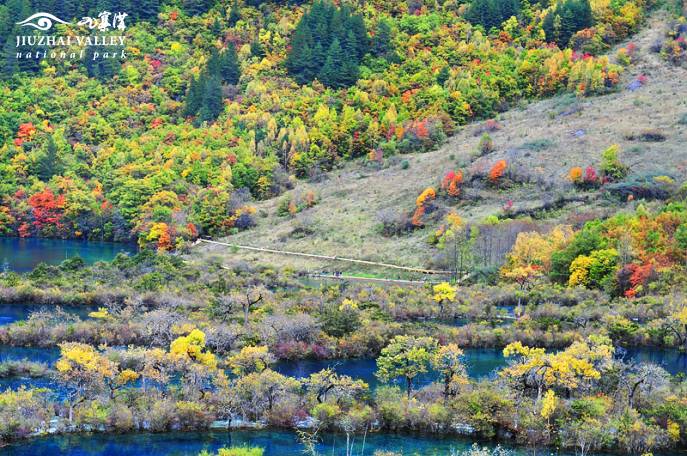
(219, 104)
(541, 142)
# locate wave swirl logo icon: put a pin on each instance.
(41, 21)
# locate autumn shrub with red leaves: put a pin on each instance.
(47, 211)
(451, 183)
(633, 278)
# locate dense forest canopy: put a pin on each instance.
(218, 96)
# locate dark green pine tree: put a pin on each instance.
(331, 73)
(194, 96)
(49, 163)
(234, 14)
(507, 9)
(480, 12)
(492, 13)
(312, 41)
(335, 28)
(567, 18)
(350, 46)
(213, 103)
(318, 20)
(256, 49)
(349, 71)
(300, 58)
(317, 58)
(69, 9)
(381, 43)
(583, 15)
(119, 6)
(18, 10)
(229, 70)
(357, 26)
(148, 10)
(216, 27)
(26, 64)
(5, 25)
(443, 75)
(196, 7)
(99, 67)
(214, 65)
(10, 64)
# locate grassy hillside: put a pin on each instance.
(541, 140)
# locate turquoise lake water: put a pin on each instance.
(9, 313)
(275, 443)
(23, 254)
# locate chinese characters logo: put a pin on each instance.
(103, 22)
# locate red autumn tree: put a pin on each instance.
(451, 183)
(25, 133)
(633, 278)
(47, 210)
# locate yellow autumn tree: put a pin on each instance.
(448, 362)
(579, 271)
(192, 348)
(530, 257)
(102, 314)
(251, 359)
(85, 372)
(444, 292)
(535, 249)
(573, 368)
(549, 404)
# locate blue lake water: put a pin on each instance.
(9, 313)
(23, 254)
(480, 363)
(275, 443)
(674, 361)
(41, 355)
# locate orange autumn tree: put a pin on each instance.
(160, 233)
(25, 133)
(497, 171)
(575, 175)
(451, 182)
(426, 197)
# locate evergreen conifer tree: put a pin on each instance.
(256, 49)
(443, 75)
(331, 74)
(148, 10)
(234, 14)
(5, 25)
(197, 7)
(49, 163)
(566, 19)
(212, 104)
(194, 96)
(381, 43)
(229, 69)
(313, 54)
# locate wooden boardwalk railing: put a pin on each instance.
(327, 257)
